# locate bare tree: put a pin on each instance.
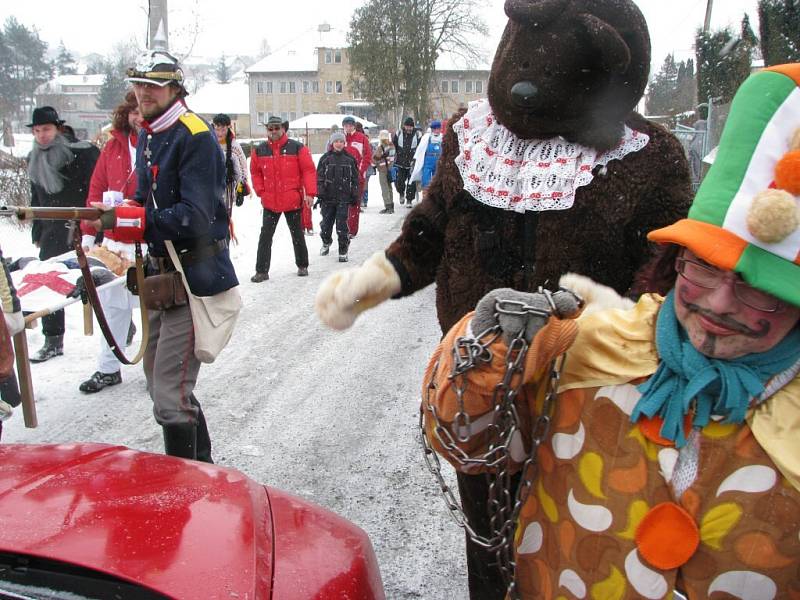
(394, 47)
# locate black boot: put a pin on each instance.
(131, 333)
(181, 440)
(203, 439)
(53, 346)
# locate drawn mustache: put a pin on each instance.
(730, 323)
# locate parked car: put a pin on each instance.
(100, 521)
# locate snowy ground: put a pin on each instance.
(329, 416)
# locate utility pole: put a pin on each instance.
(158, 30)
(706, 23)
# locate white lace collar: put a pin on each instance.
(503, 171)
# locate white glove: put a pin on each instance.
(87, 241)
(15, 322)
(346, 293)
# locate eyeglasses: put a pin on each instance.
(275, 128)
(708, 277)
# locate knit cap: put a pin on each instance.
(338, 136)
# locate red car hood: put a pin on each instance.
(183, 528)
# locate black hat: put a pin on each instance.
(349, 119)
(157, 67)
(45, 115)
(408, 121)
(221, 119)
(275, 120)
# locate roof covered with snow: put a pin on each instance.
(213, 98)
(453, 62)
(300, 54)
(57, 84)
(325, 121)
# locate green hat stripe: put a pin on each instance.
(755, 103)
(771, 273)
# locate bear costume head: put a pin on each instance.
(570, 68)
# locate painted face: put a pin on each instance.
(274, 132)
(719, 324)
(134, 119)
(349, 128)
(339, 145)
(45, 134)
(153, 100)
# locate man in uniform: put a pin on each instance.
(179, 198)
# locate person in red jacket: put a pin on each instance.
(284, 177)
(113, 180)
(357, 146)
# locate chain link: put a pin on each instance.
(503, 509)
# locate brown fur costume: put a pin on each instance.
(569, 68)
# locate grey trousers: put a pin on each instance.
(170, 365)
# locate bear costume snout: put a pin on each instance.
(594, 52)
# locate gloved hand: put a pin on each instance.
(239, 199)
(99, 277)
(15, 322)
(317, 203)
(517, 312)
(345, 294)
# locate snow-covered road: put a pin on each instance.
(330, 416)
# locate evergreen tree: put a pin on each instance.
(223, 70)
(723, 63)
(114, 85)
(23, 67)
(780, 31)
(673, 89)
(64, 63)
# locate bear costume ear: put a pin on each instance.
(536, 14)
(616, 56)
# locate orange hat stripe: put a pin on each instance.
(792, 71)
(713, 244)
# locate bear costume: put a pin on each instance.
(555, 173)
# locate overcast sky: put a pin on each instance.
(239, 26)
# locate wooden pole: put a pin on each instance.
(25, 380)
(707, 22)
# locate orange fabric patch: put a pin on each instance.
(787, 172)
(667, 536)
(691, 502)
(791, 70)
(566, 536)
(630, 480)
(757, 550)
(651, 429)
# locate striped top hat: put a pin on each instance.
(746, 214)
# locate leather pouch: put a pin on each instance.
(160, 292)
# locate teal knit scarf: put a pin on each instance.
(718, 387)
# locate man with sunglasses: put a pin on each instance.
(284, 177)
(668, 465)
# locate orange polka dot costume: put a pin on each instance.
(616, 511)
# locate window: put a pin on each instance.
(315, 87)
(337, 56)
(259, 87)
(292, 87)
(468, 87)
(261, 118)
(454, 86)
(444, 87)
(478, 87)
(285, 116)
(306, 87)
(292, 116)
(328, 87)
(328, 57)
(338, 87)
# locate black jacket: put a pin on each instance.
(53, 236)
(405, 145)
(337, 178)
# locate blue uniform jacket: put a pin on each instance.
(186, 166)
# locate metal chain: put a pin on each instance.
(503, 510)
